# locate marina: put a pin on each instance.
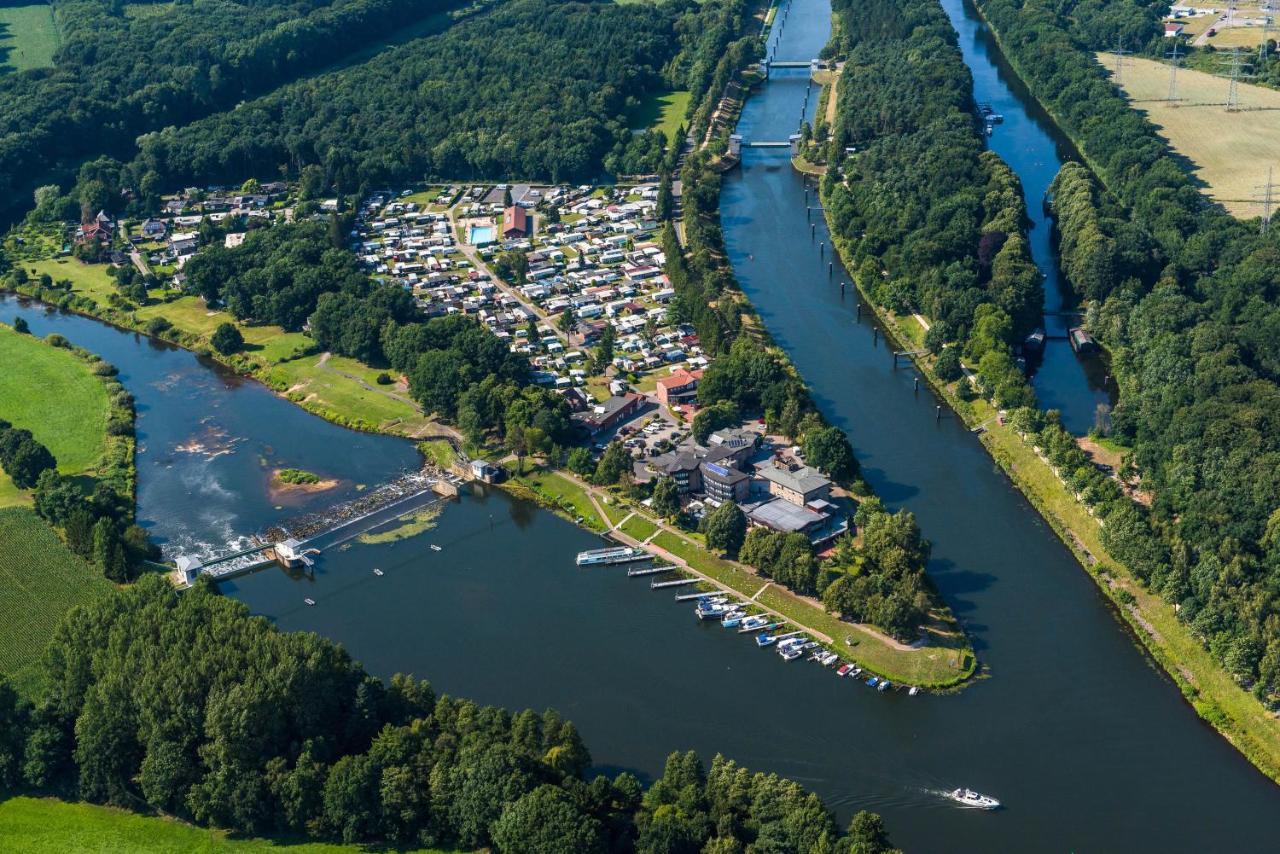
(617, 554)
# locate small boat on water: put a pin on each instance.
(733, 618)
(913, 690)
(970, 798)
(309, 601)
(712, 610)
(884, 685)
(828, 659)
(377, 571)
(435, 548)
(844, 669)
(790, 653)
(759, 621)
(873, 681)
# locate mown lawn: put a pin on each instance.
(28, 37)
(57, 398)
(326, 387)
(564, 492)
(41, 580)
(662, 111)
(638, 527)
(49, 826)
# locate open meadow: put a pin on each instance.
(662, 111)
(74, 429)
(1229, 152)
(28, 37)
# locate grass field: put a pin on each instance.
(28, 37)
(662, 111)
(327, 386)
(48, 826)
(1229, 152)
(41, 580)
(638, 527)
(55, 397)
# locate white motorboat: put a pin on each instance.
(970, 798)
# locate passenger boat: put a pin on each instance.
(617, 554)
(970, 798)
(309, 601)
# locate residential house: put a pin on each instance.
(679, 387)
(609, 414)
(515, 223)
(154, 229)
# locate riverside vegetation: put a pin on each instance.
(283, 732)
(1175, 289)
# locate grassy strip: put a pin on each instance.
(50, 826)
(638, 528)
(1211, 691)
(41, 580)
(930, 666)
(560, 494)
(30, 37)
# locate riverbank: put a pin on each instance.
(1153, 623)
(940, 660)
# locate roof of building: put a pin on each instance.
(782, 515)
(722, 474)
(734, 437)
(679, 379)
(515, 218)
(803, 479)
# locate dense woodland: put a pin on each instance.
(186, 704)
(538, 89)
(927, 220)
(1187, 299)
(119, 74)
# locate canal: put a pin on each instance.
(1089, 746)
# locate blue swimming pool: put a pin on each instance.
(480, 235)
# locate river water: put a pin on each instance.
(1088, 745)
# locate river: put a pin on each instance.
(1089, 746)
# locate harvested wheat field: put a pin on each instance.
(1230, 152)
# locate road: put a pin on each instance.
(473, 256)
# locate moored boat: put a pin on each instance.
(884, 685)
(844, 669)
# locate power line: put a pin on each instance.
(1239, 68)
(1266, 195)
(1175, 58)
(1120, 53)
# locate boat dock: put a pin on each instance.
(679, 582)
(689, 597)
(649, 570)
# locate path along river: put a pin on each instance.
(1089, 746)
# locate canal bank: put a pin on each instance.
(1097, 730)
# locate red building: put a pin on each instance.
(515, 222)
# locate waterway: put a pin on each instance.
(208, 440)
(1089, 746)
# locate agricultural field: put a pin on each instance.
(50, 826)
(28, 37)
(662, 111)
(55, 397)
(41, 580)
(1229, 152)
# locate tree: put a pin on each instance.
(227, 339)
(828, 449)
(546, 821)
(948, 365)
(666, 498)
(604, 350)
(22, 457)
(568, 320)
(614, 465)
(20, 326)
(666, 199)
(580, 461)
(725, 528)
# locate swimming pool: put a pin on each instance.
(480, 235)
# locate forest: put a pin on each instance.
(117, 76)
(1187, 300)
(185, 703)
(537, 89)
(927, 220)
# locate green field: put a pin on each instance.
(41, 580)
(55, 397)
(662, 111)
(48, 826)
(28, 37)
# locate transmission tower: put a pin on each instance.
(1231, 13)
(1175, 58)
(1266, 194)
(1120, 53)
(1238, 66)
(1266, 35)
